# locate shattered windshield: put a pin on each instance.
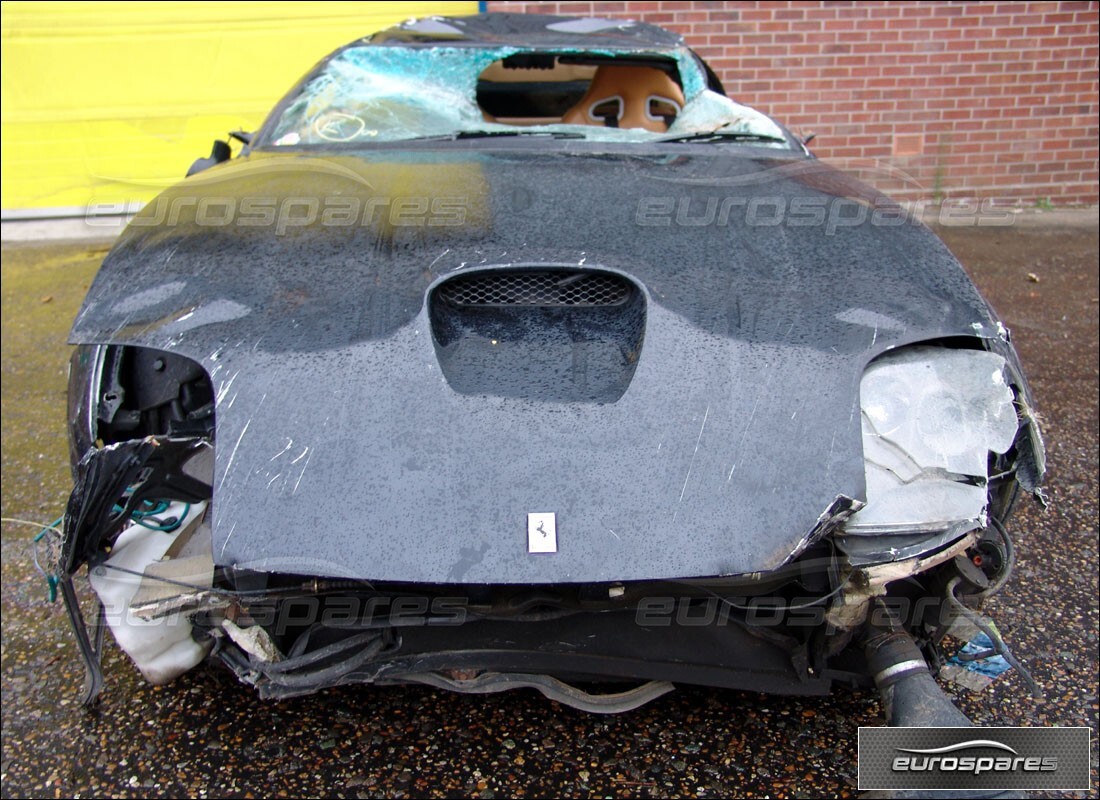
(367, 94)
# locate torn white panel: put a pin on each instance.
(163, 648)
(849, 610)
(253, 640)
(931, 416)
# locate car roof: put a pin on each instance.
(540, 30)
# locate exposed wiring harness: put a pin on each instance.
(48, 537)
(146, 515)
(46, 544)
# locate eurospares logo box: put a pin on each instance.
(974, 758)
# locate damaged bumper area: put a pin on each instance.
(942, 429)
(476, 395)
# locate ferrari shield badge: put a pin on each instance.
(542, 535)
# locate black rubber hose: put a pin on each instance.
(1010, 560)
(910, 695)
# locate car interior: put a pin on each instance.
(547, 88)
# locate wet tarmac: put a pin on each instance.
(207, 735)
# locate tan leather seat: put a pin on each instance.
(628, 97)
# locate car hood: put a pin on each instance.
(301, 282)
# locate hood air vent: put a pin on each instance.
(530, 288)
(557, 335)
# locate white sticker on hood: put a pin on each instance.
(542, 535)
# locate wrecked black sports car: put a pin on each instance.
(511, 352)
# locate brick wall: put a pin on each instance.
(928, 100)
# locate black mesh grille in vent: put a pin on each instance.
(529, 288)
(543, 333)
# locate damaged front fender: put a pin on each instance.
(112, 481)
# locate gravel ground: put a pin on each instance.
(206, 735)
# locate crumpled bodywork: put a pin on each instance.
(755, 341)
(555, 392)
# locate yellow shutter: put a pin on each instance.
(106, 103)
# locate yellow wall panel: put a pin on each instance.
(109, 102)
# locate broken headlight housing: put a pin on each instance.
(931, 418)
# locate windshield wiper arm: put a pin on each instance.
(493, 134)
(457, 135)
(727, 136)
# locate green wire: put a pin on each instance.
(155, 507)
(144, 518)
(156, 525)
(158, 507)
(46, 529)
(51, 580)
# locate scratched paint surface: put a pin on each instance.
(342, 450)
